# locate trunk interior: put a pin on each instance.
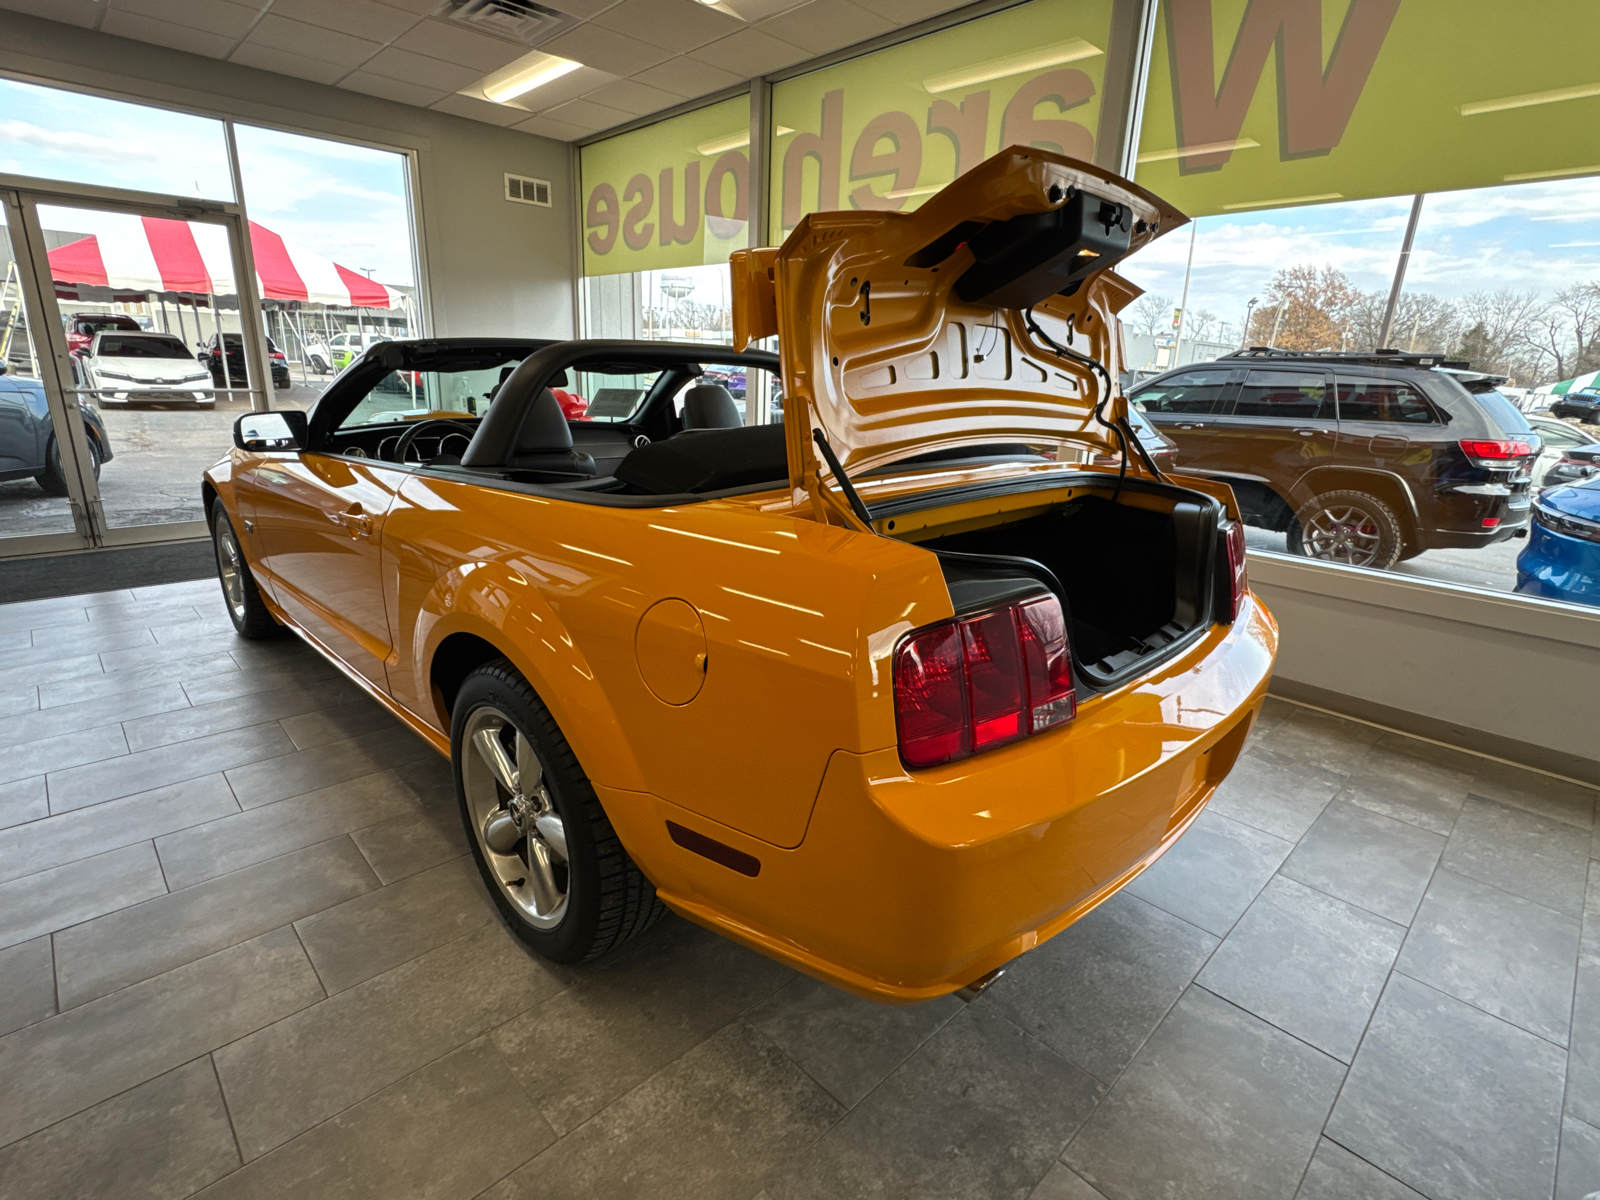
(1134, 574)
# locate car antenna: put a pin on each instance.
(843, 480)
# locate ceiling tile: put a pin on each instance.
(284, 63)
(825, 25)
(68, 12)
(479, 110)
(421, 70)
(558, 91)
(909, 12)
(758, 10)
(308, 41)
(562, 131)
(588, 114)
(687, 78)
(677, 24)
(392, 89)
(208, 16)
(752, 51)
(440, 39)
(633, 97)
(165, 33)
(360, 18)
(415, 7)
(582, 9)
(606, 49)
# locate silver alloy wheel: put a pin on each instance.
(1343, 534)
(230, 562)
(519, 831)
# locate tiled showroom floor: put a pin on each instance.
(243, 955)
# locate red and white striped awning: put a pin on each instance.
(153, 254)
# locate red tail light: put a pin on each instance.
(972, 684)
(1238, 569)
(278, 355)
(1496, 450)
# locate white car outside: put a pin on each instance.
(126, 368)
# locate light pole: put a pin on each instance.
(1244, 338)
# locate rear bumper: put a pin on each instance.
(910, 885)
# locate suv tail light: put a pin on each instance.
(1238, 571)
(1496, 451)
(971, 684)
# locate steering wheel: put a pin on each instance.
(403, 447)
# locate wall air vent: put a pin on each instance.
(522, 190)
(520, 21)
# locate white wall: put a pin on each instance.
(1506, 675)
(493, 267)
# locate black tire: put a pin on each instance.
(608, 900)
(241, 597)
(51, 480)
(1348, 527)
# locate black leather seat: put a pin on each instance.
(710, 406)
(545, 443)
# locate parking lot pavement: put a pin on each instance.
(1493, 568)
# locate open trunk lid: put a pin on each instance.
(903, 334)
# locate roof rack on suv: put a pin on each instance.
(1370, 358)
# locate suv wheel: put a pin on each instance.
(1347, 527)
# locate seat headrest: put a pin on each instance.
(544, 428)
(710, 406)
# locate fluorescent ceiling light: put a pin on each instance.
(1531, 99)
(1053, 55)
(1193, 151)
(522, 76)
(733, 141)
(1558, 173)
(1284, 201)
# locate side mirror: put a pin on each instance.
(282, 430)
(201, 355)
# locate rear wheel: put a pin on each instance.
(546, 850)
(1347, 527)
(51, 479)
(246, 608)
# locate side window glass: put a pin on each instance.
(1191, 393)
(1289, 395)
(1377, 398)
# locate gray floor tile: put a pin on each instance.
(1321, 739)
(1411, 781)
(78, 787)
(163, 729)
(34, 665)
(1535, 857)
(983, 1109)
(291, 1076)
(711, 1126)
(120, 606)
(444, 1133)
(1375, 862)
(1063, 1183)
(623, 1022)
(1308, 963)
(70, 1062)
(55, 841)
(1336, 1174)
(62, 689)
(86, 714)
(15, 701)
(1451, 1101)
(62, 751)
(78, 891)
(1498, 952)
(1583, 1063)
(229, 684)
(216, 622)
(847, 1044)
(187, 591)
(27, 985)
(15, 639)
(136, 943)
(206, 851)
(339, 722)
(165, 1138)
(1536, 792)
(306, 770)
(1217, 1104)
(1578, 1174)
(23, 800)
(1280, 795)
(1095, 991)
(1212, 874)
(370, 934)
(154, 654)
(107, 635)
(412, 842)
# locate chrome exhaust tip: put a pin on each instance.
(979, 985)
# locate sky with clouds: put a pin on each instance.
(347, 203)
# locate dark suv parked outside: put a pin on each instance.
(1363, 459)
(1581, 406)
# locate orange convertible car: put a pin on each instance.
(892, 691)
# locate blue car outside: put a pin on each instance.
(1562, 558)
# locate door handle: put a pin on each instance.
(1306, 432)
(358, 522)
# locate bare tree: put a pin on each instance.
(1201, 325)
(1151, 314)
(1500, 333)
(1566, 334)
